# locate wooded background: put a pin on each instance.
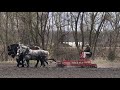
(50, 29)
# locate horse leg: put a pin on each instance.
(27, 62)
(17, 62)
(22, 63)
(37, 63)
(40, 59)
(43, 60)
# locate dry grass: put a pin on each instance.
(103, 63)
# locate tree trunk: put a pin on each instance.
(6, 38)
(81, 28)
(97, 35)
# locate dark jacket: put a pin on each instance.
(87, 49)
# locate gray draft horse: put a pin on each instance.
(29, 54)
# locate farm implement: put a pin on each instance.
(82, 63)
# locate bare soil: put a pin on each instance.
(10, 70)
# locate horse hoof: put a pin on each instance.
(17, 65)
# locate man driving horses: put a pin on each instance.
(87, 52)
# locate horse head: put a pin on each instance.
(12, 50)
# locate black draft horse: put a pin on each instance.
(12, 51)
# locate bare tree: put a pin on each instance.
(6, 37)
(97, 33)
(114, 34)
(43, 18)
(92, 17)
(78, 18)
